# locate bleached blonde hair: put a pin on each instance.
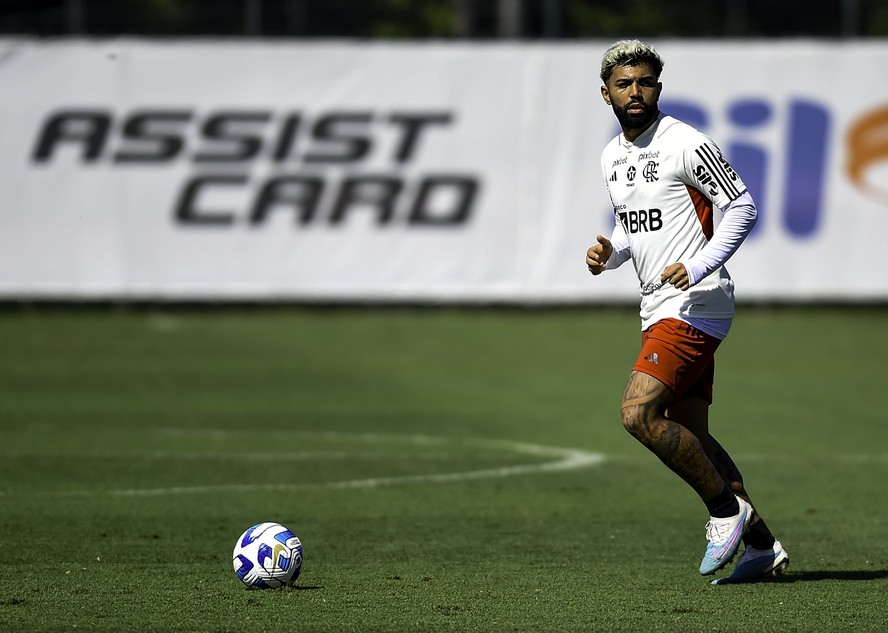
(630, 53)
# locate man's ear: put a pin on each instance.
(605, 95)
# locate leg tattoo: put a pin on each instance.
(644, 405)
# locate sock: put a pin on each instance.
(724, 505)
(759, 536)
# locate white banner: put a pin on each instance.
(412, 172)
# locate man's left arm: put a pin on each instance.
(738, 218)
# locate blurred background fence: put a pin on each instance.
(406, 151)
(487, 19)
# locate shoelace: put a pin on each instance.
(718, 531)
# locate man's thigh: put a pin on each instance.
(692, 413)
(680, 356)
(646, 395)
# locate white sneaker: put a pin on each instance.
(758, 564)
(724, 537)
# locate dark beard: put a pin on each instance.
(635, 121)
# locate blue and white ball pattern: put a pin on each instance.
(267, 556)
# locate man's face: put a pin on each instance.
(633, 92)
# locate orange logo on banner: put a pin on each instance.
(868, 145)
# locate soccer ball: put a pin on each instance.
(267, 555)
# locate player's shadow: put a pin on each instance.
(814, 576)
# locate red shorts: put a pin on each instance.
(680, 356)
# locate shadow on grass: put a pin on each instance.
(814, 576)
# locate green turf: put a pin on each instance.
(135, 446)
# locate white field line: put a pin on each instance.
(559, 459)
(295, 456)
(563, 459)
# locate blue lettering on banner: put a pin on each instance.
(805, 158)
(806, 164)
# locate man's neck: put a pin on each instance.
(633, 133)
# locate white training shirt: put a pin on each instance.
(663, 186)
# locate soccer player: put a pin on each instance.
(664, 178)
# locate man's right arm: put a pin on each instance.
(610, 253)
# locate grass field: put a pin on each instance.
(446, 471)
